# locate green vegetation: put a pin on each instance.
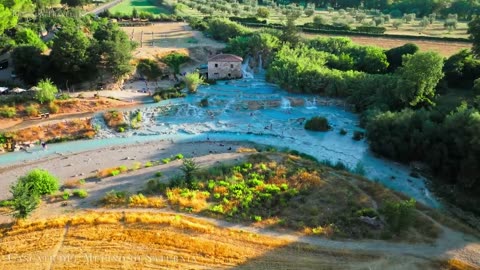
(8, 112)
(27, 190)
(193, 81)
(140, 6)
(46, 92)
(289, 191)
(149, 69)
(80, 193)
(174, 60)
(42, 182)
(317, 123)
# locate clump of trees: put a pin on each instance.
(27, 190)
(317, 123)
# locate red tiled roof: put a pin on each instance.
(225, 58)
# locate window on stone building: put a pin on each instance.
(216, 65)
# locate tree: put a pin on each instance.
(29, 63)
(27, 36)
(317, 123)
(395, 55)
(224, 29)
(263, 12)
(399, 215)
(474, 31)
(46, 92)
(71, 56)
(189, 167)
(319, 20)
(174, 60)
(290, 32)
(150, 69)
(114, 49)
(419, 75)
(309, 12)
(134, 13)
(42, 182)
(193, 80)
(397, 23)
(24, 200)
(370, 59)
(7, 19)
(461, 69)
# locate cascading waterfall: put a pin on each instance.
(311, 104)
(286, 104)
(246, 69)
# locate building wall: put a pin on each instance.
(223, 69)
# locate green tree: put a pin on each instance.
(224, 29)
(319, 20)
(150, 69)
(114, 49)
(395, 55)
(474, 32)
(193, 80)
(174, 60)
(29, 63)
(263, 12)
(7, 19)
(71, 56)
(134, 13)
(399, 215)
(189, 167)
(24, 200)
(419, 76)
(41, 182)
(27, 36)
(47, 91)
(290, 31)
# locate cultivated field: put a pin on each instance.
(444, 48)
(127, 6)
(161, 38)
(135, 240)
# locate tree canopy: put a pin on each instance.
(46, 92)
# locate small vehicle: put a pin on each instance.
(3, 64)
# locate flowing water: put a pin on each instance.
(250, 109)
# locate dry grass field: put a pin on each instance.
(168, 241)
(445, 49)
(161, 38)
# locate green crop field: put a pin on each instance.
(127, 6)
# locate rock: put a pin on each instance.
(374, 222)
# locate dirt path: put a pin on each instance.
(449, 245)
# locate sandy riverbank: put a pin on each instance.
(84, 164)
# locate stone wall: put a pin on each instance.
(224, 70)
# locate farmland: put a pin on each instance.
(127, 6)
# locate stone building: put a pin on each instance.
(225, 66)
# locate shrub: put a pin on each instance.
(155, 186)
(179, 156)
(115, 197)
(81, 193)
(8, 112)
(343, 131)
(42, 182)
(65, 195)
(157, 98)
(25, 199)
(189, 167)
(158, 174)
(193, 81)
(115, 172)
(148, 164)
(31, 110)
(317, 123)
(399, 215)
(263, 12)
(358, 135)
(121, 129)
(166, 160)
(52, 107)
(136, 165)
(122, 168)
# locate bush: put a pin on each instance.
(31, 110)
(8, 112)
(65, 195)
(343, 131)
(25, 199)
(263, 12)
(179, 156)
(157, 98)
(193, 80)
(358, 135)
(42, 182)
(81, 193)
(53, 108)
(399, 215)
(317, 123)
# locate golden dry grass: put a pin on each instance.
(246, 150)
(164, 241)
(74, 128)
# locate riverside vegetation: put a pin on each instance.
(410, 102)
